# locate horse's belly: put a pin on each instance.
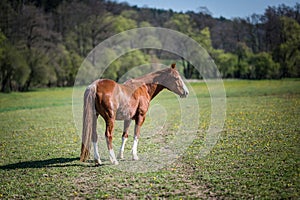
(124, 113)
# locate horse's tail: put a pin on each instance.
(89, 120)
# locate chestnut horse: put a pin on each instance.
(128, 101)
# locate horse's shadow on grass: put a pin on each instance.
(53, 162)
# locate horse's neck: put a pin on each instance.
(150, 80)
(154, 89)
(155, 83)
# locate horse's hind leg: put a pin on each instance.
(124, 138)
(96, 152)
(109, 137)
(95, 145)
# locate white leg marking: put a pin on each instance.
(121, 153)
(113, 157)
(96, 154)
(134, 149)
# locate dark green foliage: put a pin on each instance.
(287, 53)
(14, 71)
(263, 67)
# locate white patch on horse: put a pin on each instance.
(134, 149)
(113, 157)
(121, 153)
(96, 153)
(186, 90)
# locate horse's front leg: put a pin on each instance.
(124, 138)
(138, 124)
(109, 136)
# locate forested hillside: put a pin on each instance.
(43, 42)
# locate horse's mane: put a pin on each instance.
(147, 78)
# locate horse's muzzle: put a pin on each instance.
(185, 94)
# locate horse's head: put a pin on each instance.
(172, 81)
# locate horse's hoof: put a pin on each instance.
(120, 156)
(98, 162)
(115, 162)
(135, 157)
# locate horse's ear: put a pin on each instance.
(173, 65)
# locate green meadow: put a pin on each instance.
(257, 154)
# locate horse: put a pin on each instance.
(128, 101)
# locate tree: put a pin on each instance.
(121, 24)
(255, 33)
(8, 18)
(69, 15)
(181, 23)
(38, 41)
(243, 53)
(41, 73)
(272, 28)
(62, 66)
(239, 30)
(112, 71)
(287, 53)
(126, 62)
(203, 38)
(96, 29)
(226, 62)
(263, 67)
(14, 70)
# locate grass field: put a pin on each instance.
(256, 156)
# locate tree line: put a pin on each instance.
(43, 42)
